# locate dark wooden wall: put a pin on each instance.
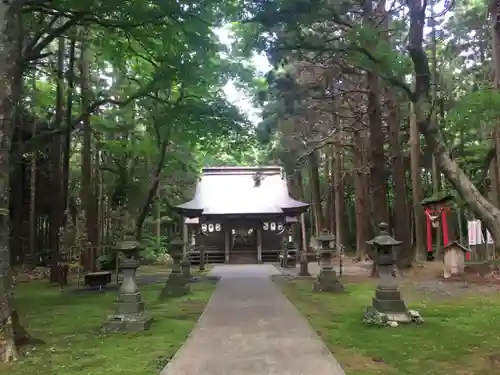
(271, 240)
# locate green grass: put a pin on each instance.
(69, 325)
(459, 337)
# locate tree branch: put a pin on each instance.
(36, 46)
(44, 136)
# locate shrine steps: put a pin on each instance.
(243, 255)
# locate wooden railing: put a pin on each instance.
(271, 255)
(212, 254)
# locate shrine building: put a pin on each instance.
(240, 215)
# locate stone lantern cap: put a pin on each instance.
(325, 236)
(383, 239)
(128, 245)
(455, 245)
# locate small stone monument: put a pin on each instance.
(327, 280)
(454, 259)
(130, 314)
(176, 285)
(387, 302)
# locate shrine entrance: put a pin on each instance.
(244, 247)
(239, 215)
(244, 239)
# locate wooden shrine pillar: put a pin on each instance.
(227, 241)
(259, 245)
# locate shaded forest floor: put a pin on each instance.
(69, 325)
(427, 277)
(460, 334)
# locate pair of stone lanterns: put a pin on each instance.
(327, 280)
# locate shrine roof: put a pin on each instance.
(242, 191)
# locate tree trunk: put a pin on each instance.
(401, 210)
(88, 198)
(69, 120)
(484, 210)
(152, 190)
(378, 176)
(158, 218)
(495, 46)
(10, 71)
(57, 209)
(436, 173)
(361, 193)
(32, 209)
(339, 198)
(329, 214)
(418, 211)
(316, 192)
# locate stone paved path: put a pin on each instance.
(250, 328)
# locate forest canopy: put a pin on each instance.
(109, 110)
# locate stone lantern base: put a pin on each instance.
(389, 309)
(176, 286)
(130, 315)
(327, 281)
(186, 268)
(389, 302)
(304, 265)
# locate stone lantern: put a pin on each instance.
(288, 257)
(130, 314)
(387, 298)
(176, 285)
(327, 280)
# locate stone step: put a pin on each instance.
(243, 258)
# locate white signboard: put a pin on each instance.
(472, 232)
(475, 234)
(489, 239)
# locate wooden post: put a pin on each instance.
(227, 233)
(303, 233)
(32, 210)
(158, 219)
(185, 234)
(259, 245)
